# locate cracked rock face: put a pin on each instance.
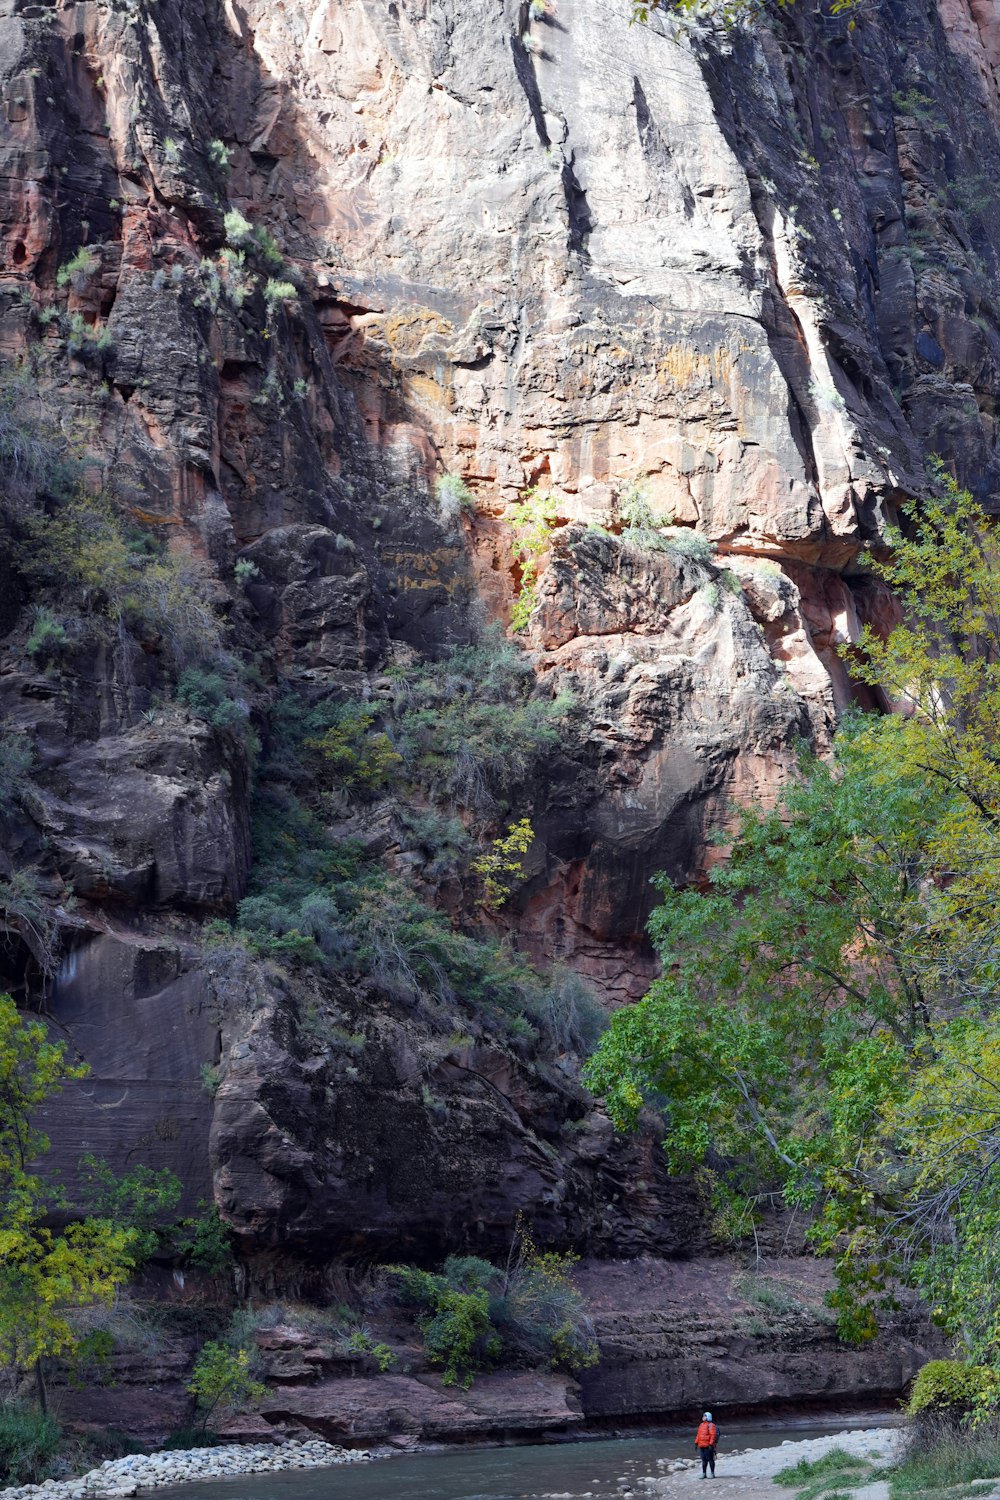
(555, 251)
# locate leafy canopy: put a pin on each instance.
(222, 1378)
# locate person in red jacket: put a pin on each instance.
(705, 1442)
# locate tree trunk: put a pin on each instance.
(40, 1391)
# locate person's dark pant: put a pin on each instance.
(707, 1459)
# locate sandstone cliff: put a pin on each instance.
(276, 267)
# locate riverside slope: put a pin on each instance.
(552, 250)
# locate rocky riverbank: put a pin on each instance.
(121, 1477)
(749, 1472)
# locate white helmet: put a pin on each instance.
(707, 1417)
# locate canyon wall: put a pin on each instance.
(528, 246)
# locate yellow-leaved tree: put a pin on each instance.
(45, 1272)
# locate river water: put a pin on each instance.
(600, 1468)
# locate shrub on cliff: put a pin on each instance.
(469, 728)
(16, 759)
(48, 638)
(86, 551)
(124, 576)
(78, 270)
(317, 897)
(692, 544)
(702, 18)
(208, 696)
(453, 497)
(35, 457)
(458, 1333)
(532, 517)
(314, 897)
(222, 1379)
(474, 1314)
(360, 758)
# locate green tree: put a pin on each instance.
(825, 1026)
(222, 1378)
(362, 759)
(532, 517)
(142, 1200)
(501, 864)
(44, 1274)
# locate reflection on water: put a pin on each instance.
(603, 1469)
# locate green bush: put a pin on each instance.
(635, 512)
(459, 1336)
(362, 760)
(474, 1315)
(441, 841)
(221, 1378)
(279, 291)
(48, 639)
(208, 696)
(24, 909)
(458, 1333)
(532, 517)
(238, 228)
(691, 544)
(16, 759)
(219, 154)
(124, 576)
(34, 458)
(316, 897)
(360, 1343)
(760, 1291)
(204, 1242)
(950, 1386)
(269, 250)
(83, 335)
(78, 271)
(453, 496)
(413, 950)
(469, 728)
(307, 926)
(569, 1013)
(28, 1442)
(541, 1316)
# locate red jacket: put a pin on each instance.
(708, 1435)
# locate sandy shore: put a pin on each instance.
(749, 1472)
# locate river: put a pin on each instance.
(600, 1468)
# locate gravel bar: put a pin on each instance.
(145, 1471)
